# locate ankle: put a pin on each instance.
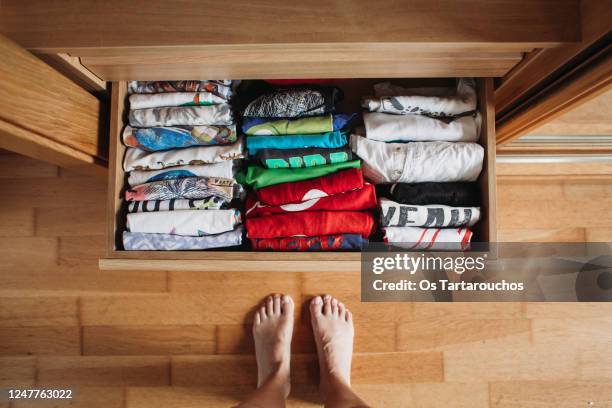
(337, 378)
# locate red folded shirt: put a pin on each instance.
(310, 224)
(338, 242)
(356, 200)
(296, 192)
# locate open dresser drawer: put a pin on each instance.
(245, 260)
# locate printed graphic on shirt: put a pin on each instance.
(393, 214)
(278, 158)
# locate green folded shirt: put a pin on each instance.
(258, 177)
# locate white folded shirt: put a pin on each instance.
(182, 115)
(222, 169)
(403, 101)
(194, 223)
(145, 101)
(394, 214)
(450, 239)
(418, 162)
(418, 128)
(137, 159)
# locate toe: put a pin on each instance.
(287, 305)
(262, 313)
(327, 308)
(257, 318)
(341, 310)
(334, 305)
(277, 304)
(270, 306)
(349, 316)
(316, 306)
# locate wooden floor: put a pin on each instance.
(181, 339)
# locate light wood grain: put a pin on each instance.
(17, 371)
(83, 397)
(466, 354)
(367, 60)
(583, 83)
(73, 69)
(63, 126)
(38, 311)
(143, 340)
(444, 334)
(52, 340)
(85, 24)
(552, 393)
(592, 118)
(103, 371)
(538, 67)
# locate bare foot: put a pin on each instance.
(332, 325)
(272, 331)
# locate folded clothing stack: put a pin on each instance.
(424, 142)
(181, 146)
(308, 191)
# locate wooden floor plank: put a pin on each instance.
(520, 362)
(83, 397)
(14, 166)
(370, 337)
(17, 222)
(445, 334)
(104, 371)
(148, 340)
(68, 281)
(27, 252)
(17, 371)
(467, 310)
(553, 394)
(81, 250)
(71, 221)
(38, 311)
(54, 192)
(55, 340)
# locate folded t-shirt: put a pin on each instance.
(296, 158)
(336, 242)
(402, 101)
(418, 162)
(189, 188)
(297, 192)
(457, 194)
(327, 140)
(310, 224)
(356, 200)
(182, 115)
(223, 169)
(177, 204)
(145, 101)
(140, 241)
(417, 128)
(296, 126)
(394, 214)
(193, 223)
(222, 88)
(295, 102)
(450, 239)
(137, 159)
(158, 138)
(258, 177)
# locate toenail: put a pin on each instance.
(318, 300)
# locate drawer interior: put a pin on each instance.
(354, 89)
